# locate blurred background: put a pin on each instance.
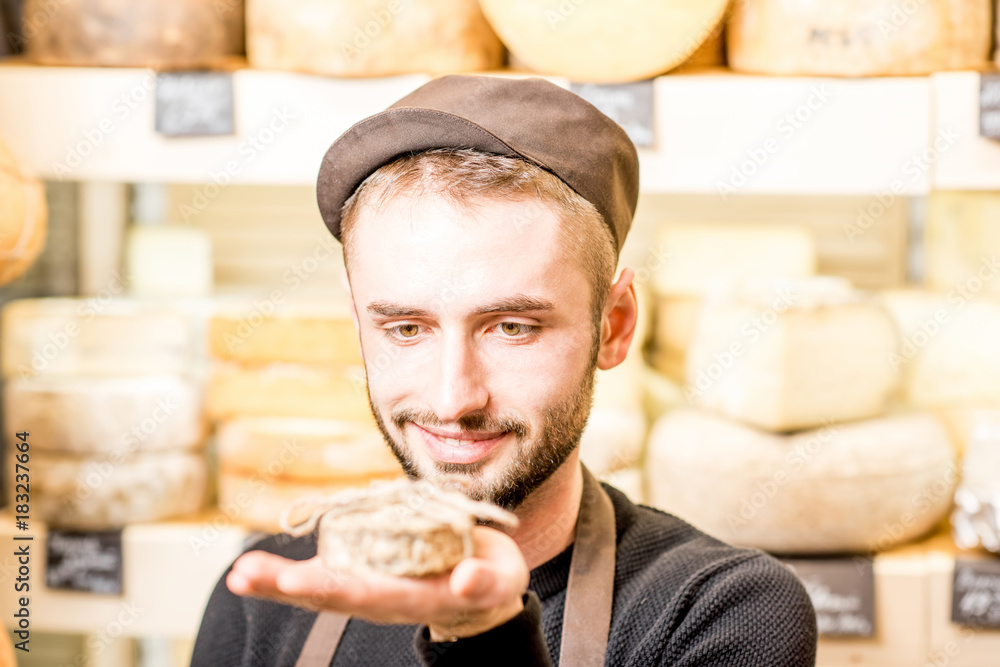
(817, 259)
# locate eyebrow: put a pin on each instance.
(519, 303)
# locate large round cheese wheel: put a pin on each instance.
(854, 487)
(949, 349)
(370, 38)
(107, 492)
(308, 449)
(603, 41)
(257, 501)
(286, 390)
(102, 335)
(23, 218)
(300, 333)
(122, 33)
(89, 415)
(793, 354)
(858, 37)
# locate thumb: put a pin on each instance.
(473, 581)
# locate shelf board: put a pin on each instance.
(852, 136)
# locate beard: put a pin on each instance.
(535, 457)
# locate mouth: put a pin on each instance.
(460, 447)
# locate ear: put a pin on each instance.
(345, 282)
(621, 312)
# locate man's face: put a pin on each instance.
(478, 341)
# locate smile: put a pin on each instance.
(464, 448)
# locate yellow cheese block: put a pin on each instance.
(604, 41)
(962, 242)
(313, 449)
(110, 491)
(793, 354)
(304, 334)
(370, 37)
(858, 37)
(849, 487)
(23, 218)
(122, 33)
(99, 336)
(286, 390)
(257, 501)
(91, 415)
(949, 348)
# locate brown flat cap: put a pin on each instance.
(529, 118)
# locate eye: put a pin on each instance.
(407, 330)
(516, 328)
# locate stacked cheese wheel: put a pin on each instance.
(106, 389)
(790, 449)
(604, 41)
(700, 258)
(23, 216)
(121, 33)
(348, 38)
(859, 37)
(612, 443)
(287, 388)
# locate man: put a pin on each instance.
(482, 219)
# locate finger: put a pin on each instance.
(256, 571)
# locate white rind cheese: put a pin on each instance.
(99, 336)
(786, 355)
(257, 501)
(350, 38)
(601, 41)
(286, 390)
(88, 415)
(108, 492)
(857, 487)
(307, 449)
(948, 353)
(858, 37)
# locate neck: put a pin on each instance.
(548, 516)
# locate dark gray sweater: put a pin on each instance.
(681, 599)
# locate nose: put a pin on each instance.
(457, 384)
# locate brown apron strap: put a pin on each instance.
(591, 585)
(589, 591)
(323, 639)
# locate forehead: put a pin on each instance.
(421, 249)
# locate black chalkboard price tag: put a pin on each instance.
(194, 104)
(975, 593)
(90, 562)
(842, 591)
(989, 105)
(628, 104)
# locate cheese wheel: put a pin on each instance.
(306, 449)
(602, 41)
(792, 354)
(962, 241)
(23, 218)
(286, 390)
(948, 354)
(859, 487)
(370, 38)
(257, 501)
(613, 439)
(120, 33)
(968, 425)
(108, 492)
(87, 415)
(98, 336)
(629, 481)
(301, 333)
(858, 37)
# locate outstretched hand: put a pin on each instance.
(480, 593)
